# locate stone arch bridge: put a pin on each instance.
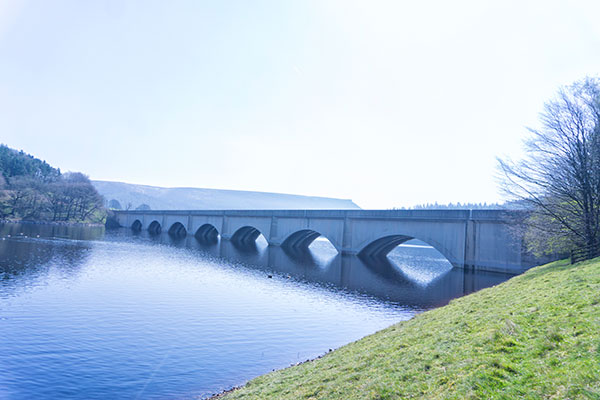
(479, 239)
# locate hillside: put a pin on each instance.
(535, 336)
(16, 164)
(32, 190)
(159, 198)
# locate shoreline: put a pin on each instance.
(225, 392)
(51, 223)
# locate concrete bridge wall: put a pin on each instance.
(480, 239)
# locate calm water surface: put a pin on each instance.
(88, 314)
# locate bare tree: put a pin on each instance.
(559, 179)
(73, 198)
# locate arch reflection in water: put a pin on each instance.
(154, 228)
(414, 275)
(419, 261)
(246, 235)
(136, 226)
(320, 252)
(177, 230)
(207, 234)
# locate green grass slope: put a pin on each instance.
(535, 336)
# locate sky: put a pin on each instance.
(387, 103)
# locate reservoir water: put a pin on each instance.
(89, 314)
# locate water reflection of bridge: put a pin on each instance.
(381, 278)
(478, 239)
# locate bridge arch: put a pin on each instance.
(246, 235)
(302, 239)
(207, 233)
(177, 230)
(136, 226)
(381, 247)
(154, 228)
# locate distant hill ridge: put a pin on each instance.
(184, 198)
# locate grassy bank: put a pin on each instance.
(535, 336)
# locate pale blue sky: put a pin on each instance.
(388, 103)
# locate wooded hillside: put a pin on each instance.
(31, 189)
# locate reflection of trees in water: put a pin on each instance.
(73, 232)
(26, 258)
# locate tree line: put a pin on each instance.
(458, 206)
(114, 204)
(558, 180)
(31, 189)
